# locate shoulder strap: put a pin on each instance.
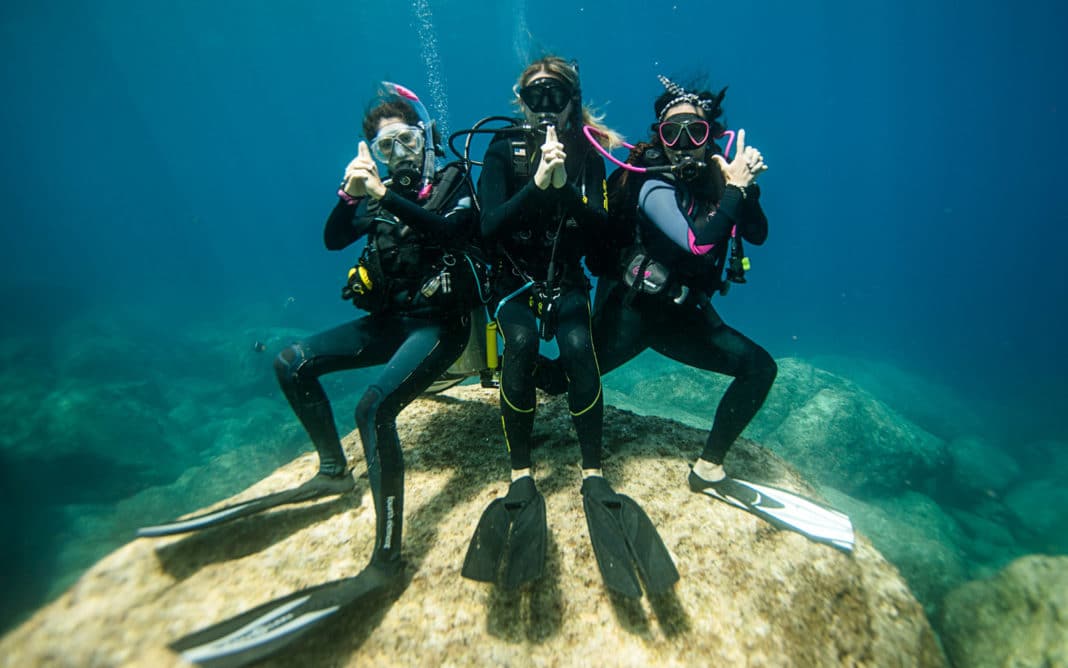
(522, 157)
(448, 181)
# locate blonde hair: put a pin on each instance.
(568, 73)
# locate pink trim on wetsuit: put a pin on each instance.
(696, 248)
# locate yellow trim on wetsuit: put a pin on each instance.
(504, 398)
(586, 409)
(513, 406)
(507, 443)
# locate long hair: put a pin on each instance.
(567, 71)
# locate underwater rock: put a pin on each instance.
(1044, 459)
(991, 545)
(749, 594)
(915, 535)
(1041, 507)
(932, 406)
(1017, 618)
(691, 395)
(830, 428)
(978, 468)
(855, 443)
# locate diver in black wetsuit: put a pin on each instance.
(415, 280)
(543, 205)
(418, 277)
(539, 221)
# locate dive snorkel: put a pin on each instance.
(590, 131)
(429, 162)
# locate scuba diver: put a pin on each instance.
(681, 211)
(543, 203)
(418, 281)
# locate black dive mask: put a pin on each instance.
(546, 95)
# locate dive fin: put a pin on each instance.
(625, 542)
(783, 509)
(445, 381)
(320, 485)
(513, 530)
(264, 630)
(528, 541)
(484, 554)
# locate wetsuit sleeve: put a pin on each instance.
(754, 224)
(499, 210)
(658, 202)
(451, 226)
(347, 223)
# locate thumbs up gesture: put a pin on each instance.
(361, 175)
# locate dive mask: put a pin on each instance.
(397, 140)
(546, 96)
(685, 131)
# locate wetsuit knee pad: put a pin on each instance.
(288, 364)
(521, 343)
(367, 408)
(576, 344)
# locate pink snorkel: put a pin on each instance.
(429, 166)
(590, 131)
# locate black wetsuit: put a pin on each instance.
(530, 229)
(415, 338)
(690, 236)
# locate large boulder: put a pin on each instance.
(935, 407)
(749, 594)
(1017, 618)
(917, 536)
(847, 439)
(833, 430)
(978, 468)
(1040, 505)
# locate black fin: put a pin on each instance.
(625, 542)
(514, 526)
(483, 558)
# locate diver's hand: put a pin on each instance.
(353, 187)
(361, 176)
(748, 163)
(551, 170)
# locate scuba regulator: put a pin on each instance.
(688, 168)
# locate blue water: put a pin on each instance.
(168, 167)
